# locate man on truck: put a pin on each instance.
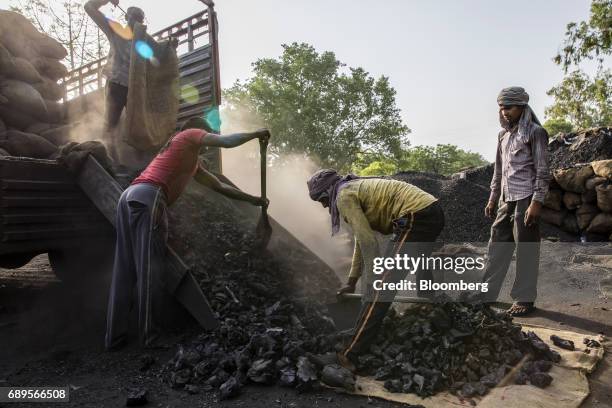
(142, 224)
(117, 70)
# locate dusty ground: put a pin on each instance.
(51, 335)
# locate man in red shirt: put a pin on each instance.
(142, 224)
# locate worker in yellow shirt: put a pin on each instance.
(412, 217)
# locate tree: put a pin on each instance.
(588, 39)
(444, 159)
(556, 126)
(581, 100)
(67, 22)
(315, 106)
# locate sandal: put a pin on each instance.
(521, 309)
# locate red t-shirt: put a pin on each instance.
(174, 167)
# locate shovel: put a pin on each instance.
(345, 311)
(263, 231)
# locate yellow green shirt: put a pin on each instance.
(369, 205)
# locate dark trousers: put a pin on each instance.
(508, 233)
(413, 235)
(139, 260)
(115, 100)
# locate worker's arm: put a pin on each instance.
(92, 7)
(495, 182)
(209, 180)
(366, 245)
(234, 139)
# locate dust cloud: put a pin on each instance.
(290, 204)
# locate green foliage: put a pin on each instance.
(581, 101)
(588, 39)
(313, 105)
(443, 159)
(556, 126)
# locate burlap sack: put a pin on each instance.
(26, 145)
(7, 62)
(601, 224)
(571, 200)
(49, 90)
(589, 196)
(49, 47)
(603, 168)
(23, 97)
(570, 223)
(49, 67)
(574, 178)
(23, 71)
(57, 113)
(39, 127)
(15, 118)
(4, 153)
(552, 217)
(58, 136)
(585, 214)
(593, 182)
(604, 197)
(153, 100)
(553, 199)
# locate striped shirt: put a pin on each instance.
(521, 166)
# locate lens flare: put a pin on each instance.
(212, 117)
(124, 32)
(144, 49)
(190, 94)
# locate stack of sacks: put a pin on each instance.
(580, 200)
(31, 118)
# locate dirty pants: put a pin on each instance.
(139, 261)
(508, 233)
(413, 235)
(115, 99)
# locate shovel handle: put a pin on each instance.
(263, 147)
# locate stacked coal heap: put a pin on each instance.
(579, 201)
(465, 348)
(463, 201)
(32, 121)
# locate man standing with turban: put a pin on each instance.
(412, 217)
(520, 183)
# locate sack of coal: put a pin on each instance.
(59, 135)
(601, 224)
(585, 214)
(603, 168)
(552, 217)
(23, 97)
(49, 89)
(49, 67)
(14, 117)
(604, 197)
(57, 113)
(594, 182)
(49, 47)
(571, 200)
(553, 199)
(570, 223)
(26, 145)
(574, 178)
(23, 70)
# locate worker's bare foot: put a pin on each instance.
(521, 309)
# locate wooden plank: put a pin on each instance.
(104, 192)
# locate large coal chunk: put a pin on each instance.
(336, 376)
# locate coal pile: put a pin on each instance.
(463, 202)
(32, 121)
(270, 304)
(569, 149)
(464, 348)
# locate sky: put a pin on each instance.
(446, 59)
